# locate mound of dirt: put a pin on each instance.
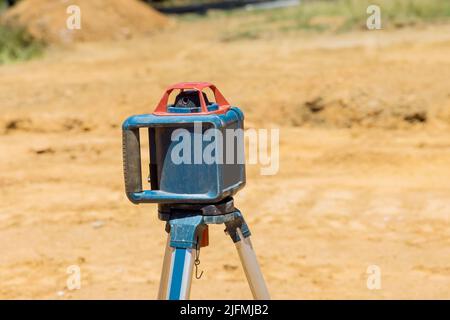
(359, 110)
(47, 20)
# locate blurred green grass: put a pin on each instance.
(333, 16)
(17, 45)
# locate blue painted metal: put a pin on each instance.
(184, 231)
(188, 183)
(177, 274)
(151, 120)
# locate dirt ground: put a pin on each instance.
(46, 20)
(351, 191)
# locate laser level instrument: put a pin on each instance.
(192, 191)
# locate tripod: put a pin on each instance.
(187, 226)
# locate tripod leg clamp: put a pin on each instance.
(185, 232)
(237, 222)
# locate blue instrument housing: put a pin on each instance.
(194, 181)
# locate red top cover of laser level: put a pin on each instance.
(223, 105)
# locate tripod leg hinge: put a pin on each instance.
(237, 223)
(185, 231)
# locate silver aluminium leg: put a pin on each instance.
(251, 267)
(180, 256)
(180, 277)
(162, 293)
(176, 275)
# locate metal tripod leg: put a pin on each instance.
(240, 234)
(162, 293)
(178, 265)
(251, 268)
(176, 275)
(179, 286)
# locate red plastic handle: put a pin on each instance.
(161, 108)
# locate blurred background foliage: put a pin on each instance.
(310, 15)
(330, 16)
(16, 44)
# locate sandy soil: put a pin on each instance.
(351, 192)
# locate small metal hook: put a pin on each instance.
(197, 260)
(197, 276)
